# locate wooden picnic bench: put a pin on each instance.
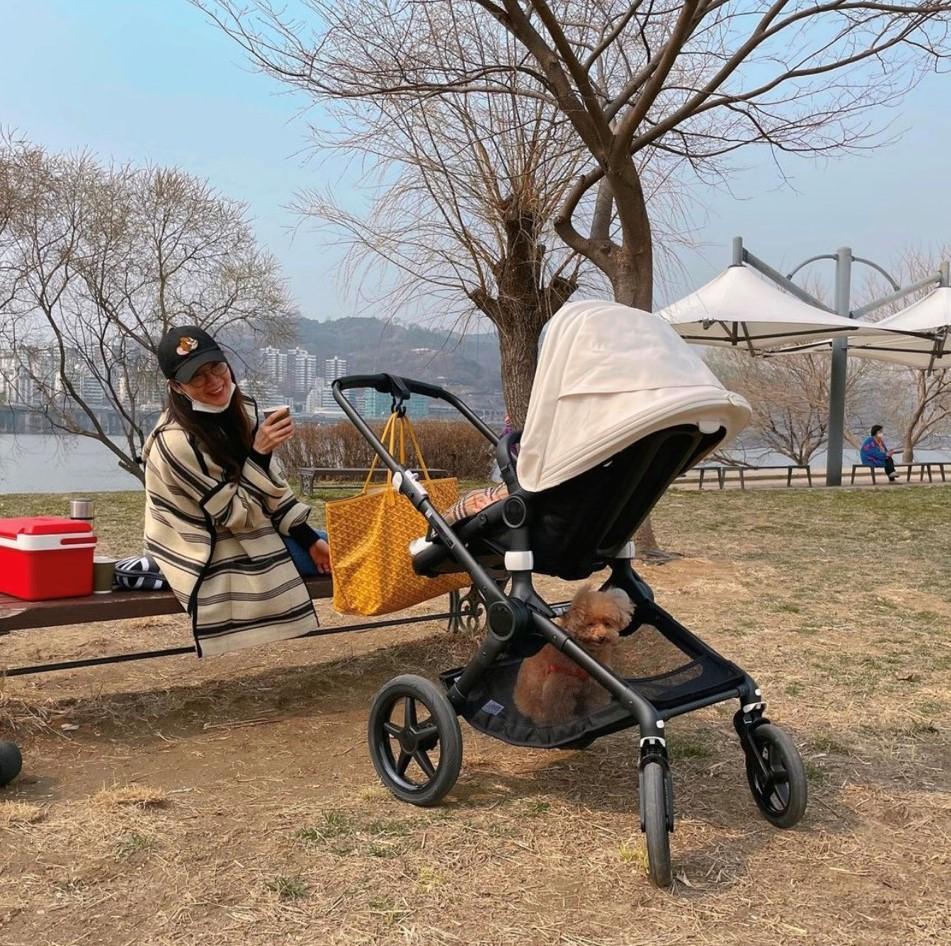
(346, 477)
(924, 466)
(19, 615)
(465, 611)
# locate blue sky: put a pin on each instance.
(151, 81)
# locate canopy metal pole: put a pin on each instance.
(840, 359)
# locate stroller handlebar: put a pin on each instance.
(394, 385)
(400, 389)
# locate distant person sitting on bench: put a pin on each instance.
(874, 453)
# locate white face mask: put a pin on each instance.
(202, 408)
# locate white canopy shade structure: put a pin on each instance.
(741, 308)
(609, 375)
(916, 337)
(931, 315)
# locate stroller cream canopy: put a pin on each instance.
(607, 376)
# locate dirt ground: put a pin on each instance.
(232, 800)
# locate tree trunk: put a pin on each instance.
(632, 281)
(518, 347)
(908, 449)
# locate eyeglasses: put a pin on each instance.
(204, 375)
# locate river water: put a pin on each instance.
(44, 463)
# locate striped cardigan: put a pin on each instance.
(219, 543)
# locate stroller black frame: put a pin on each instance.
(520, 619)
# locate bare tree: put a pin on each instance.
(789, 396)
(466, 183)
(918, 403)
(464, 219)
(97, 264)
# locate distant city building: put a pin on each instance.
(334, 368)
(314, 402)
(301, 371)
(274, 366)
(378, 405)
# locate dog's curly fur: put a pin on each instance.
(551, 688)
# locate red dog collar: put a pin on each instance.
(570, 671)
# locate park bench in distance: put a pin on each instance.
(346, 477)
(924, 466)
(721, 471)
(789, 468)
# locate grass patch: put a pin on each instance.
(633, 853)
(287, 889)
(130, 796)
(688, 745)
(828, 745)
(131, 844)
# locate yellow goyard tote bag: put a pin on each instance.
(369, 537)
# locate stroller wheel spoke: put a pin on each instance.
(422, 760)
(415, 741)
(777, 777)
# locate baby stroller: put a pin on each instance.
(620, 407)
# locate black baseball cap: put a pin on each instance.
(183, 350)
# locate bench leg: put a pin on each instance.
(851, 481)
(789, 478)
(467, 611)
(742, 478)
(721, 477)
(809, 476)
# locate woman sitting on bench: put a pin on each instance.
(874, 453)
(224, 526)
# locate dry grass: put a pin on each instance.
(232, 801)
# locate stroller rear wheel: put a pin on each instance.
(777, 776)
(656, 818)
(10, 762)
(415, 740)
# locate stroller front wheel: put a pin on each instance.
(415, 740)
(656, 818)
(777, 776)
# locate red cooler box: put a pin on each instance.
(46, 557)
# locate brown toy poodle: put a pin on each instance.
(551, 688)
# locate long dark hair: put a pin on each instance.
(225, 437)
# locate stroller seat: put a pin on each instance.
(578, 526)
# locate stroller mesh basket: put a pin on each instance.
(668, 676)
